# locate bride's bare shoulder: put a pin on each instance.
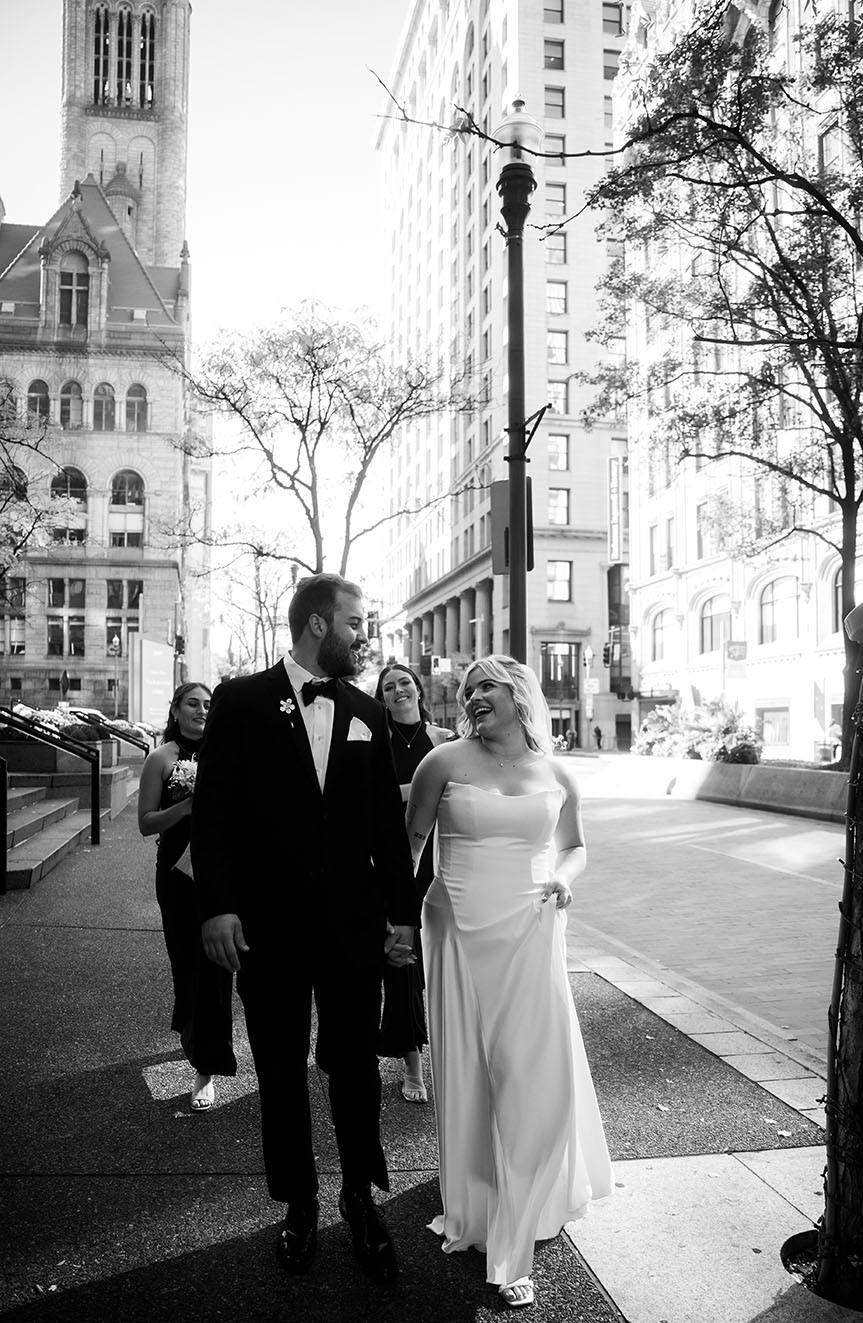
(564, 773)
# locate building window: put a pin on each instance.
(555, 199)
(610, 63)
(555, 145)
(652, 539)
(12, 619)
(659, 635)
(559, 670)
(147, 60)
(669, 544)
(773, 724)
(557, 396)
(554, 55)
(38, 400)
(558, 346)
(552, 11)
(703, 538)
(836, 618)
(555, 249)
(71, 406)
(126, 539)
(103, 408)
(136, 409)
(612, 19)
(101, 57)
(560, 581)
(555, 103)
(778, 610)
(124, 58)
(69, 484)
(66, 597)
(127, 488)
(558, 505)
(74, 290)
(558, 452)
(714, 623)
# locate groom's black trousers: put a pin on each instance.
(276, 984)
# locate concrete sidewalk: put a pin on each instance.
(119, 1203)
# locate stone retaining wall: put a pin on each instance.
(797, 790)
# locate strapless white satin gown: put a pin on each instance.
(521, 1144)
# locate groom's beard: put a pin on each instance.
(336, 657)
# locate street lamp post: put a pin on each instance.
(515, 185)
(114, 651)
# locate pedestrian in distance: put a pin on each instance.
(306, 882)
(403, 1025)
(521, 1144)
(597, 735)
(202, 1013)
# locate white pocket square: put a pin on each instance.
(358, 730)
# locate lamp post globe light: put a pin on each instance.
(516, 183)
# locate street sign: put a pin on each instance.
(591, 684)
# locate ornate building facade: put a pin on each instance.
(94, 324)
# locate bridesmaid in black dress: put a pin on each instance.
(202, 991)
(403, 1026)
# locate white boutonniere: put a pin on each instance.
(287, 706)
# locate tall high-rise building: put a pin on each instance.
(449, 296)
(94, 322)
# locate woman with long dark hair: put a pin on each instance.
(413, 735)
(202, 991)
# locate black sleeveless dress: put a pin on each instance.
(403, 1021)
(202, 1014)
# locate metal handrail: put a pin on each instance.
(4, 821)
(69, 744)
(114, 732)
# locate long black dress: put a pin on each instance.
(202, 1014)
(403, 1022)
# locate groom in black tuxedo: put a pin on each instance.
(302, 860)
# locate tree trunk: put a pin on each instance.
(840, 1233)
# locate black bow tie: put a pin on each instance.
(313, 689)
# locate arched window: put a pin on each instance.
(74, 290)
(38, 399)
(71, 406)
(836, 615)
(103, 408)
(714, 623)
(124, 57)
(69, 484)
(147, 60)
(777, 610)
(101, 56)
(136, 409)
(659, 635)
(127, 488)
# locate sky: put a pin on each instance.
(283, 182)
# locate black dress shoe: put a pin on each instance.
(373, 1245)
(298, 1237)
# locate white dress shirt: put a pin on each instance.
(317, 716)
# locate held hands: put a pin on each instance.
(223, 941)
(561, 892)
(399, 945)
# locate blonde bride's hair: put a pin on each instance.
(530, 705)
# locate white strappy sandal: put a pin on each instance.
(517, 1294)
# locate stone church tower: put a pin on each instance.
(94, 325)
(124, 114)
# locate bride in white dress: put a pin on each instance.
(521, 1144)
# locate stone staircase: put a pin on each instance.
(43, 826)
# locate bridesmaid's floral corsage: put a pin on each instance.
(181, 782)
(287, 706)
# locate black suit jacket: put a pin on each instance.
(268, 845)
